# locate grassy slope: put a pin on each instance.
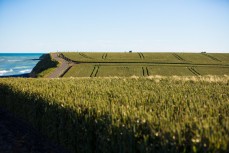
(44, 67)
(125, 114)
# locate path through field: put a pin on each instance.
(64, 66)
(16, 136)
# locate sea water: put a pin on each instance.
(17, 63)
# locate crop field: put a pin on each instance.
(145, 57)
(90, 70)
(101, 64)
(198, 58)
(128, 102)
(122, 57)
(80, 70)
(122, 71)
(213, 70)
(155, 114)
(221, 57)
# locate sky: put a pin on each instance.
(114, 25)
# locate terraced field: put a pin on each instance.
(91, 64)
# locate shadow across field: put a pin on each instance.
(86, 131)
(18, 136)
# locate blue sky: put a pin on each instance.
(114, 25)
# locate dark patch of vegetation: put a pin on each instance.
(42, 67)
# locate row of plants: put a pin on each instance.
(157, 114)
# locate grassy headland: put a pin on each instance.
(44, 67)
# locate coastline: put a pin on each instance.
(18, 64)
(25, 75)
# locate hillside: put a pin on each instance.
(44, 67)
(91, 64)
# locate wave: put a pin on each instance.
(14, 60)
(2, 72)
(26, 71)
(21, 67)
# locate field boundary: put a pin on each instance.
(66, 71)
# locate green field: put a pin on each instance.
(92, 64)
(128, 102)
(156, 114)
(146, 57)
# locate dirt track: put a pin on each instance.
(64, 66)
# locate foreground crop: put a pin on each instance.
(125, 114)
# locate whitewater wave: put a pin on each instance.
(26, 71)
(14, 60)
(21, 67)
(2, 72)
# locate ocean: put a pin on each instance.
(17, 63)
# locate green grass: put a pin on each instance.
(220, 56)
(213, 70)
(161, 58)
(127, 70)
(193, 58)
(120, 71)
(122, 57)
(101, 64)
(157, 114)
(80, 70)
(84, 57)
(169, 71)
(198, 58)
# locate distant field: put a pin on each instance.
(122, 57)
(192, 58)
(90, 70)
(90, 64)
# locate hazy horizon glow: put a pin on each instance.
(106, 25)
